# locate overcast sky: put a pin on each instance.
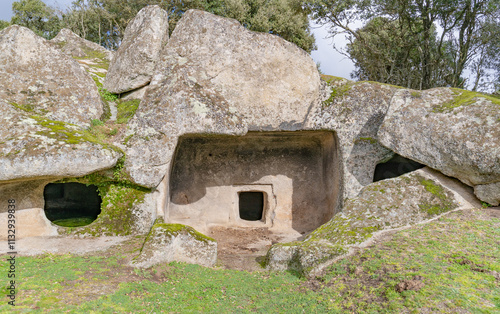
(331, 62)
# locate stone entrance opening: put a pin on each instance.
(286, 181)
(394, 167)
(71, 204)
(251, 205)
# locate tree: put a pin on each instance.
(485, 67)
(386, 51)
(91, 21)
(4, 24)
(104, 21)
(37, 16)
(459, 21)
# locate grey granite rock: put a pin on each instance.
(144, 38)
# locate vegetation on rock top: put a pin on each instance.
(463, 98)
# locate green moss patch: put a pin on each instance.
(100, 58)
(463, 98)
(116, 216)
(366, 140)
(118, 200)
(126, 110)
(442, 204)
(107, 96)
(73, 134)
(64, 132)
(24, 107)
(160, 227)
(386, 204)
(330, 78)
(74, 222)
(337, 92)
(96, 81)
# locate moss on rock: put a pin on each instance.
(463, 98)
(126, 110)
(175, 229)
(176, 242)
(118, 201)
(386, 204)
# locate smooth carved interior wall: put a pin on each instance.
(298, 172)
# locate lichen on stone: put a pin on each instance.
(175, 229)
(386, 204)
(463, 98)
(339, 88)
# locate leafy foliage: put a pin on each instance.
(107, 96)
(104, 21)
(386, 51)
(4, 24)
(37, 16)
(401, 33)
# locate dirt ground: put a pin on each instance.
(245, 248)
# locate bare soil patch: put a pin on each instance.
(245, 248)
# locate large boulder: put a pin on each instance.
(34, 147)
(173, 242)
(93, 58)
(46, 100)
(387, 204)
(355, 110)
(489, 193)
(40, 80)
(217, 77)
(143, 40)
(454, 131)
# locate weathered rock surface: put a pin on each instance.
(77, 47)
(173, 242)
(28, 201)
(95, 59)
(46, 100)
(33, 147)
(125, 210)
(217, 77)
(454, 131)
(26, 194)
(386, 204)
(40, 80)
(355, 110)
(29, 223)
(489, 193)
(143, 40)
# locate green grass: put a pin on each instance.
(74, 222)
(107, 96)
(455, 257)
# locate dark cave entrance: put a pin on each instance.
(394, 167)
(71, 204)
(251, 205)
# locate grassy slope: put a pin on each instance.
(456, 257)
